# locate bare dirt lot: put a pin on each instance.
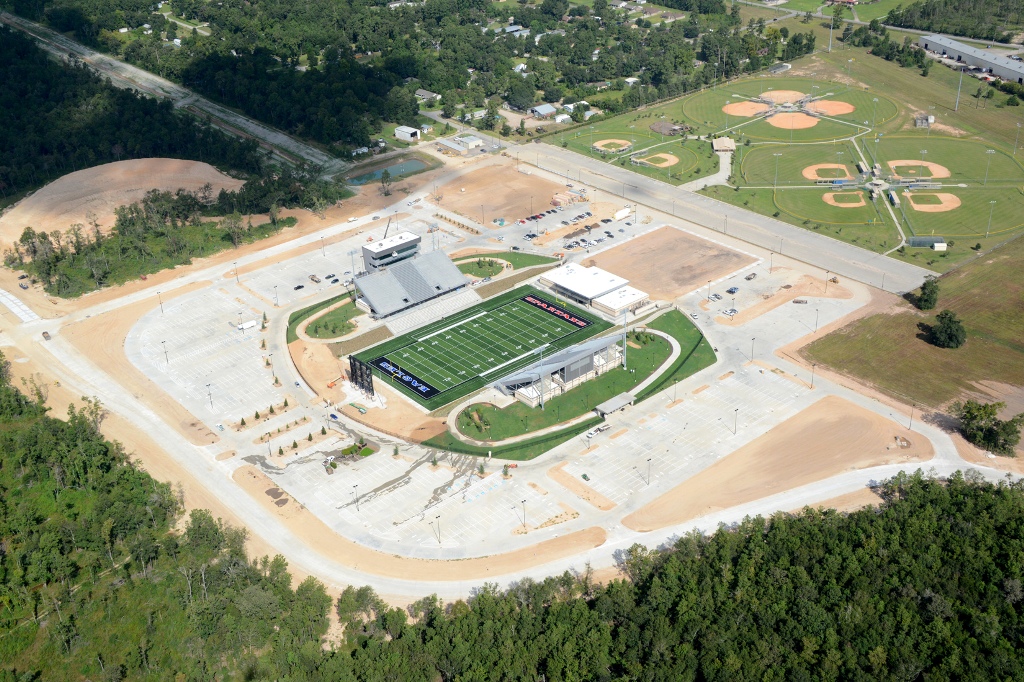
(826, 439)
(314, 533)
(668, 263)
(503, 192)
(94, 193)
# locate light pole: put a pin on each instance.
(648, 471)
(524, 515)
(237, 281)
(992, 207)
(727, 103)
(161, 302)
(924, 152)
(167, 360)
(988, 153)
(709, 291)
(323, 250)
(752, 348)
(735, 421)
(771, 258)
(815, 320)
(276, 303)
(813, 366)
(1015, 139)
(776, 155)
(209, 393)
(827, 273)
(929, 133)
(438, 519)
(911, 427)
(355, 491)
(874, 110)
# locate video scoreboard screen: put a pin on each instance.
(361, 375)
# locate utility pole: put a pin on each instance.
(956, 107)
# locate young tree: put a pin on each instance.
(929, 295)
(981, 425)
(948, 331)
(385, 183)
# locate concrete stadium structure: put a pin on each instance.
(407, 284)
(562, 371)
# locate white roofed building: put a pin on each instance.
(622, 300)
(390, 250)
(581, 284)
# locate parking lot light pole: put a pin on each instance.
(158, 298)
(827, 273)
(524, 515)
(438, 518)
(911, 427)
(752, 348)
(355, 491)
(209, 393)
(813, 365)
(709, 291)
(735, 421)
(276, 303)
(648, 471)
(166, 359)
(815, 320)
(323, 249)
(236, 273)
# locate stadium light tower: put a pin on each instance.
(1015, 139)
(988, 153)
(992, 207)
(776, 155)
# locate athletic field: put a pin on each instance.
(441, 362)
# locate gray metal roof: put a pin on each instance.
(950, 44)
(543, 110)
(409, 283)
(556, 361)
(615, 404)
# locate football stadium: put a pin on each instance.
(448, 359)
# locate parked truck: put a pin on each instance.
(314, 279)
(621, 213)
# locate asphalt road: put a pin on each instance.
(839, 258)
(126, 76)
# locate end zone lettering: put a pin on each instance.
(556, 311)
(396, 373)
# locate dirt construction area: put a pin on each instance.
(830, 437)
(94, 193)
(668, 263)
(503, 192)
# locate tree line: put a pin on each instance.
(100, 580)
(985, 20)
(56, 118)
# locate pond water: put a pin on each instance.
(396, 170)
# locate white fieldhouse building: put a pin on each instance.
(622, 300)
(390, 250)
(581, 284)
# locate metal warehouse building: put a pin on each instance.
(1001, 67)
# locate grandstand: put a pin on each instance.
(407, 284)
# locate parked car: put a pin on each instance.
(23, 285)
(334, 281)
(606, 220)
(330, 276)
(693, 315)
(23, 276)
(750, 276)
(46, 335)
(516, 248)
(732, 290)
(299, 286)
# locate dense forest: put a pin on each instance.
(334, 71)
(101, 579)
(58, 118)
(986, 20)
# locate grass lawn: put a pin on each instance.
(693, 158)
(524, 450)
(876, 10)
(757, 163)
(879, 237)
(480, 267)
(335, 323)
(491, 423)
(888, 351)
(520, 260)
(696, 352)
(299, 316)
(803, 6)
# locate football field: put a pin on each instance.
(443, 361)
